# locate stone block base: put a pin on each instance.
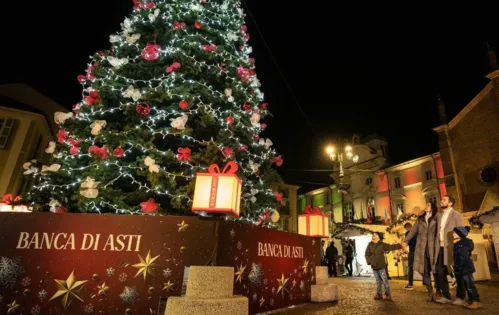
(237, 305)
(210, 282)
(321, 275)
(324, 293)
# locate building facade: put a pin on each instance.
(288, 208)
(26, 127)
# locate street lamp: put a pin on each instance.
(341, 155)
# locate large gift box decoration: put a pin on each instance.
(313, 223)
(218, 191)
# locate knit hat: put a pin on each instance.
(461, 231)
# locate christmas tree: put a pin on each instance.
(176, 92)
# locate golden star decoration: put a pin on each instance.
(262, 300)
(68, 288)
(282, 285)
(167, 286)
(305, 266)
(12, 307)
(146, 266)
(239, 272)
(294, 283)
(103, 288)
(182, 226)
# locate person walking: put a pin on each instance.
(447, 220)
(424, 232)
(332, 257)
(349, 258)
(412, 249)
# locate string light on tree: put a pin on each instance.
(176, 92)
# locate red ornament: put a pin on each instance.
(100, 53)
(149, 206)
(74, 142)
(244, 28)
(136, 4)
(94, 94)
(247, 107)
(184, 154)
(210, 47)
(103, 152)
(151, 52)
(149, 5)
(278, 196)
(82, 78)
(263, 126)
(230, 120)
(198, 25)
(74, 150)
(143, 109)
(243, 74)
(89, 100)
(243, 147)
(223, 68)
(118, 152)
(277, 160)
(264, 106)
(8, 198)
(256, 138)
(61, 209)
(251, 60)
(179, 25)
(61, 135)
(183, 104)
(228, 152)
(247, 37)
(252, 72)
(174, 66)
(91, 77)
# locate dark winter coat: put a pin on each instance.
(425, 235)
(375, 254)
(332, 253)
(348, 251)
(463, 263)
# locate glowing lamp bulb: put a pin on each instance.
(330, 150)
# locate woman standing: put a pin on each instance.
(425, 230)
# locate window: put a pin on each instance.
(6, 128)
(488, 175)
(397, 182)
(428, 175)
(369, 181)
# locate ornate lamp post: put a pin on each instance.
(340, 156)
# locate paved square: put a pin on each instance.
(356, 298)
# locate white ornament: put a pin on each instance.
(224, 6)
(274, 217)
(97, 127)
(31, 170)
(251, 194)
(89, 189)
(153, 167)
(54, 204)
(240, 11)
(196, 7)
(255, 82)
(255, 120)
(253, 166)
(51, 147)
(116, 62)
(126, 26)
(179, 122)
(51, 168)
(267, 143)
(233, 37)
(132, 38)
(153, 16)
(133, 93)
(114, 38)
(228, 92)
(60, 117)
(27, 165)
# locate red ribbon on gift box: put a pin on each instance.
(314, 210)
(230, 168)
(309, 210)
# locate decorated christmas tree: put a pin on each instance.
(176, 92)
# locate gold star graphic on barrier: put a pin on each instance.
(182, 226)
(282, 285)
(68, 288)
(12, 307)
(146, 266)
(239, 272)
(262, 300)
(167, 286)
(305, 266)
(103, 288)
(294, 283)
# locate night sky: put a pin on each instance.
(352, 70)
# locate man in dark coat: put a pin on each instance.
(332, 257)
(412, 250)
(348, 251)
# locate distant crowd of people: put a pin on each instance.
(437, 245)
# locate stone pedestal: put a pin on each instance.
(209, 292)
(323, 291)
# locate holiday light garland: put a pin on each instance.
(176, 92)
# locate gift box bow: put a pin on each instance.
(230, 168)
(314, 210)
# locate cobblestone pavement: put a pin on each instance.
(356, 298)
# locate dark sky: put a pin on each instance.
(352, 69)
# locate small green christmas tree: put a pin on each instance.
(176, 92)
